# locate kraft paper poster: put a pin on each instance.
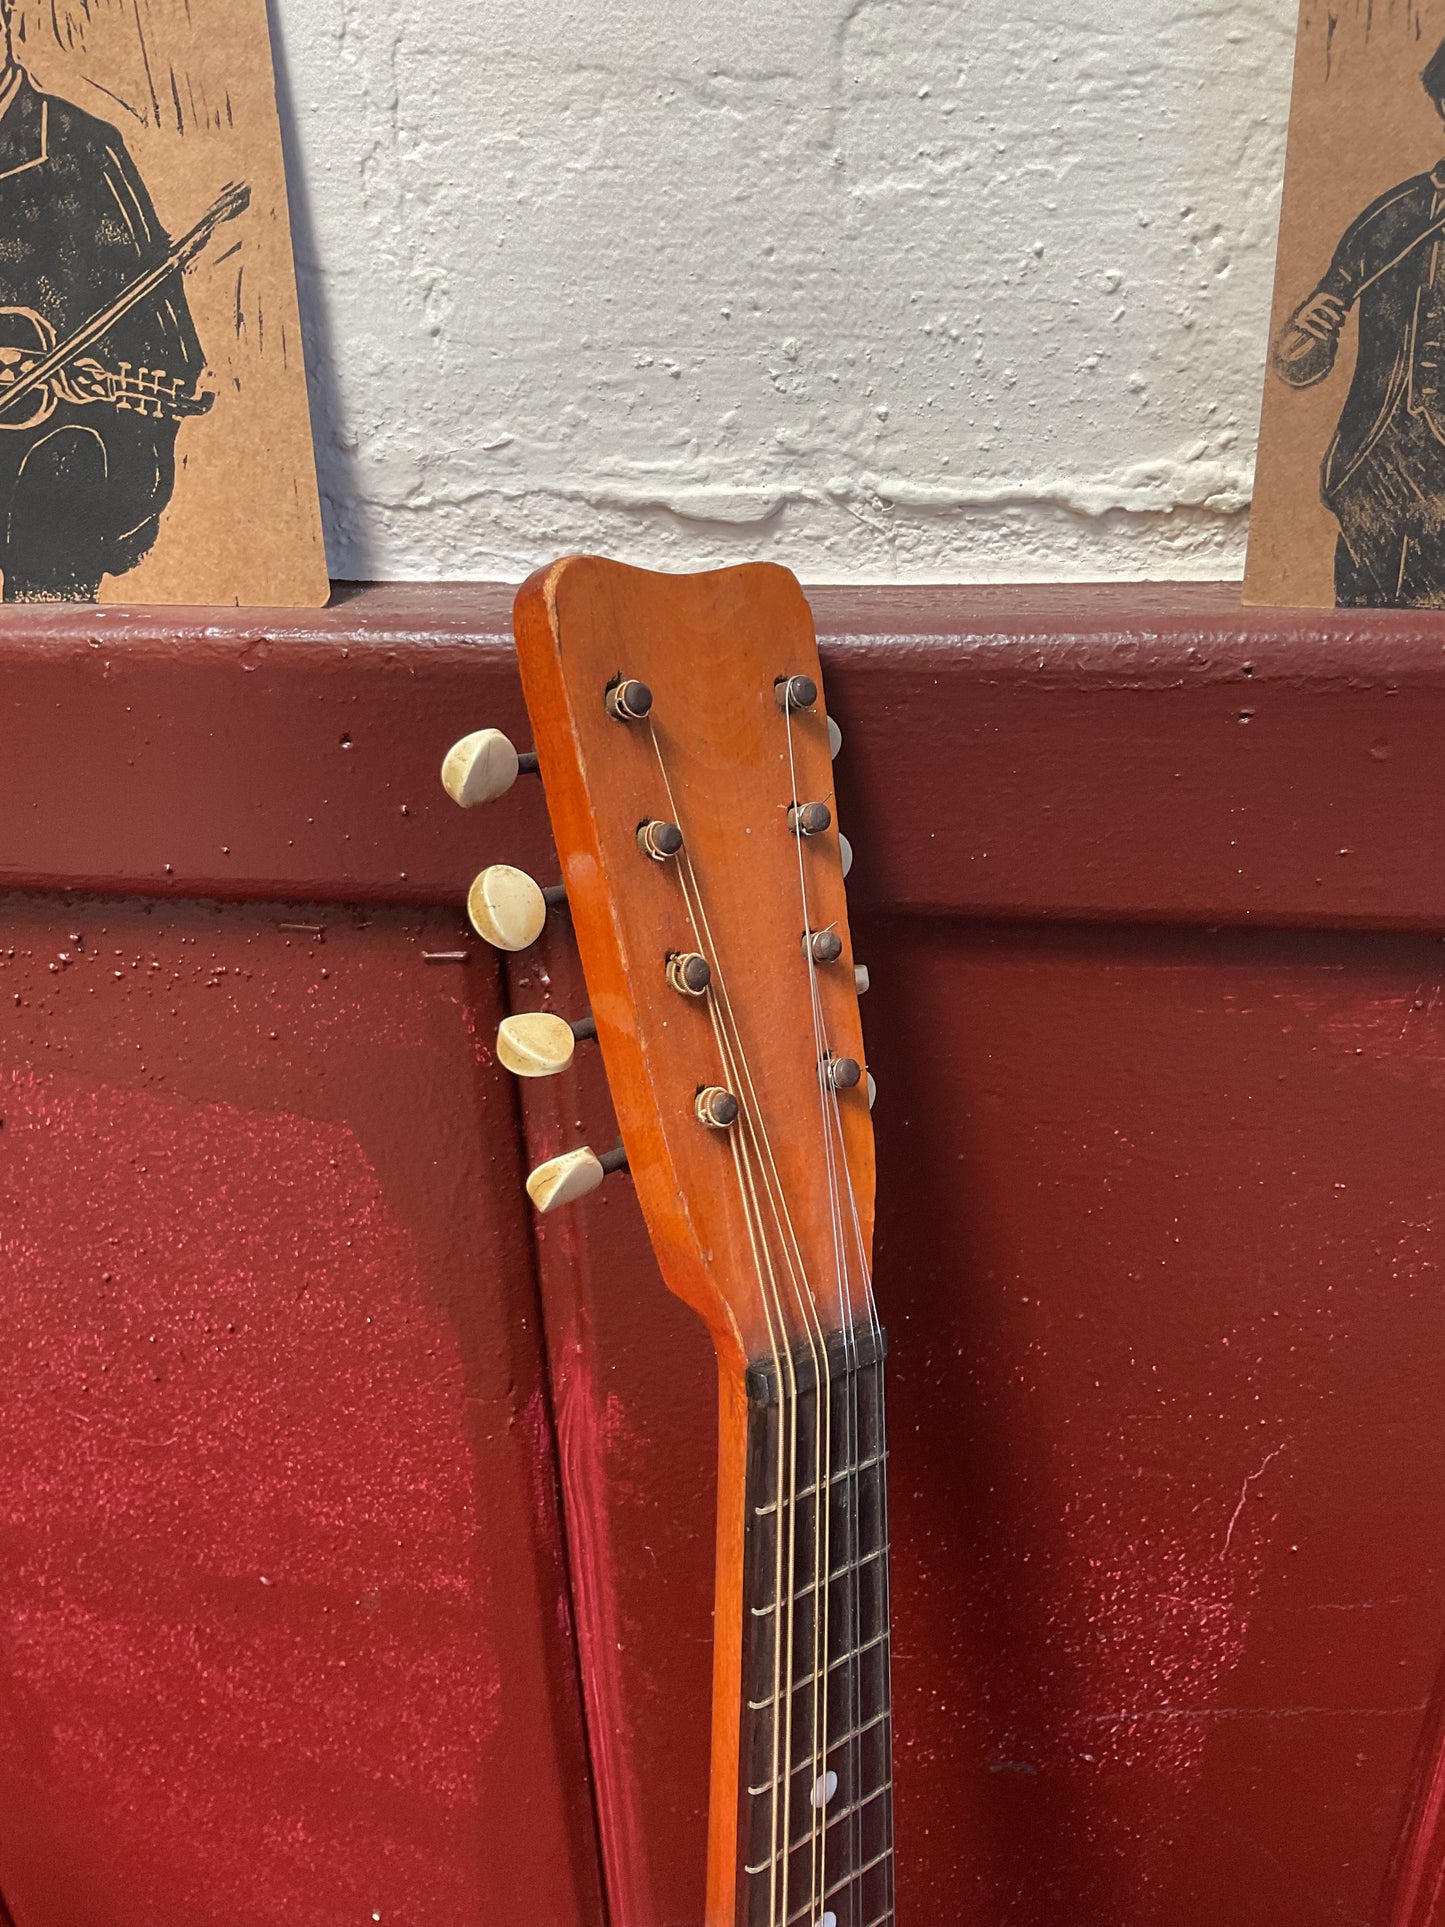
(155, 440)
(1350, 493)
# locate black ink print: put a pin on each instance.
(99, 359)
(1384, 474)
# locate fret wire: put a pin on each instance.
(857, 1652)
(855, 1874)
(811, 1491)
(843, 1739)
(833, 1820)
(843, 1572)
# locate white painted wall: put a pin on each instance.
(918, 290)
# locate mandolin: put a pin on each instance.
(683, 740)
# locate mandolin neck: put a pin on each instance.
(815, 1796)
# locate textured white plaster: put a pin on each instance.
(882, 289)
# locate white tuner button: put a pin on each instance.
(872, 1090)
(863, 980)
(537, 1044)
(835, 739)
(482, 767)
(845, 850)
(507, 908)
(574, 1175)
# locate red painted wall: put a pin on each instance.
(355, 1532)
(281, 1600)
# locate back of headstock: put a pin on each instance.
(694, 704)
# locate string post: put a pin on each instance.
(794, 693)
(841, 1073)
(823, 946)
(629, 701)
(718, 1109)
(689, 973)
(660, 841)
(809, 819)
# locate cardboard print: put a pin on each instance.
(1350, 493)
(154, 433)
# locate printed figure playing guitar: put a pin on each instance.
(99, 357)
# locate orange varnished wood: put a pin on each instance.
(712, 649)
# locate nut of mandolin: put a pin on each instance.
(482, 767)
(507, 908)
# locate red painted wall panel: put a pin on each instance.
(1159, 1247)
(283, 1633)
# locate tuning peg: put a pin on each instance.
(823, 946)
(841, 1073)
(835, 739)
(537, 1044)
(508, 909)
(845, 850)
(795, 692)
(482, 767)
(872, 1090)
(863, 979)
(574, 1175)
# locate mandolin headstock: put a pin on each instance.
(687, 755)
(721, 972)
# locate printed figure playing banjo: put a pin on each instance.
(1384, 475)
(99, 359)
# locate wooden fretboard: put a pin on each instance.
(816, 1801)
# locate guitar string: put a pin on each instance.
(889, 1867)
(737, 1148)
(824, 1481)
(853, 1716)
(833, 1157)
(720, 1009)
(821, 1561)
(740, 1074)
(853, 1446)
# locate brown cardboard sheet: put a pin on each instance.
(131, 120)
(1350, 491)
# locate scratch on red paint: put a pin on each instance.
(588, 1430)
(1250, 1478)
